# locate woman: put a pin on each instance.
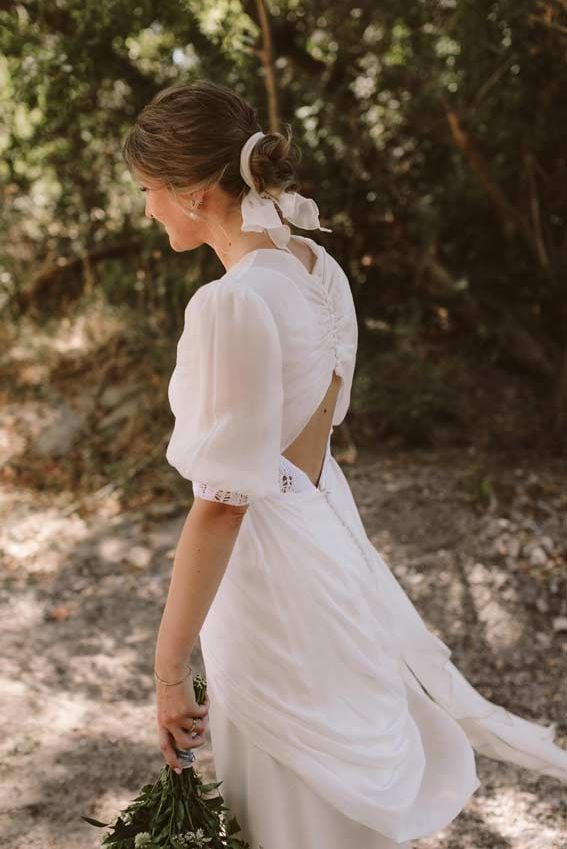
(337, 718)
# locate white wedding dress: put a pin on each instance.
(337, 718)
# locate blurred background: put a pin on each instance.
(433, 140)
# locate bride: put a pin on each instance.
(337, 717)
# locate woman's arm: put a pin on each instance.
(201, 557)
(203, 551)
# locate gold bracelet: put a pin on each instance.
(173, 683)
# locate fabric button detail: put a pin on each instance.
(333, 329)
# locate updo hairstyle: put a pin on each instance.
(190, 137)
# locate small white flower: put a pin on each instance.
(193, 839)
(142, 839)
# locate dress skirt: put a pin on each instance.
(275, 808)
(337, 718)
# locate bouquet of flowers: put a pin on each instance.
(176, 812)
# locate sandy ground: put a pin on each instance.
(82, 595)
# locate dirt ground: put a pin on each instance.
(90, 515)
(484, 558)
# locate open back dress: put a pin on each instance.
(337, 717)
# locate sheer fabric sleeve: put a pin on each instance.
(226, 393)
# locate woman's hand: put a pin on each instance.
(176, 709)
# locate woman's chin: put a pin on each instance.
(179, 245)
(175, 243)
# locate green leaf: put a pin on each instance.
(232, 826)
(210, 821)
(161, 834)
(206, 788)
(96, 823)
(235, 843)
(112, 839)
(125, 831)
(180, 820)
(145, 792)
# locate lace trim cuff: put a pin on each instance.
(210, 493)
(292, 479)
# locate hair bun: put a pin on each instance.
(273, 162)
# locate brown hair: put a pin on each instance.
(191, 135)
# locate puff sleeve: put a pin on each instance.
(226, 393)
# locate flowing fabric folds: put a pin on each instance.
(318, 656)
(311, 647)
(491, 729)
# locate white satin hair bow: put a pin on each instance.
(259, 211)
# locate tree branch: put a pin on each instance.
(267, 60)
(512, 220)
